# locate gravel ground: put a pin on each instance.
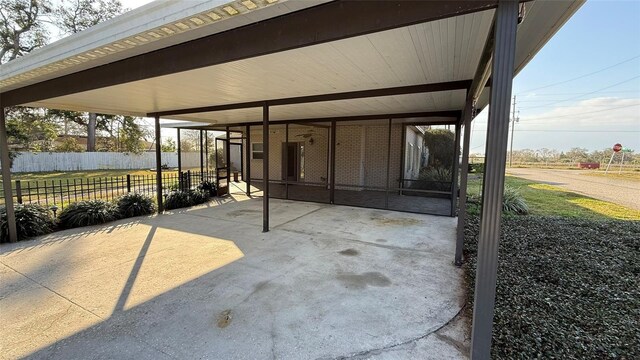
(618, 191)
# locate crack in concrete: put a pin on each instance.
(365, 354)
(55, 292)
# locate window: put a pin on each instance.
(256, 151)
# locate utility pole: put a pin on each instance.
(514, 119)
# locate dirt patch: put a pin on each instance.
(237, 213)
(224, 319)
(361, 281)
(395, 221)
(349, 252)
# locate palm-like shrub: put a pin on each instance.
(180, 199)
(31, 220)
(135, 204)
(176, 200)
(85, 213)
(199, 197)
(435, 178)
(513, 202)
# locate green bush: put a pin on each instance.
(180, 199)
(177, 199)
(434, 178)
(85, 213)
(31, 220)
(135, 204)
(199, 197)
(476, 168)
(513, 202)
(567, 288)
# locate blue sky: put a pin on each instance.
(594, 111)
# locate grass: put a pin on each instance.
(548, 200)
(64, 175)
(613, 174)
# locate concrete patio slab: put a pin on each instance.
(327, 282)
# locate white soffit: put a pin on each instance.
(438, 51)
(411, 103)
(153, 26)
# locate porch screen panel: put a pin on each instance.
(305, 159)
(237, 160)
(277, 134)
(425, 172)
(362, 163)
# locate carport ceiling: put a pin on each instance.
(411, 55)
(439, 51)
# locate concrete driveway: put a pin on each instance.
(618, 191)
(328, 282)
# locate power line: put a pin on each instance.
(589, 93)
(584, 113)
(582, 76)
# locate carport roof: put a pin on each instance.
(168, 56)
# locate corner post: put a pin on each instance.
(228, 157)
(493, 185)
(201, 156)
(6, 178)
(248, 161)
(158, 165)
(179, 154)
(455, 172)
(332, 178)
(265, 167)
(464, 174)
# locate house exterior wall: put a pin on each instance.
(361, 154)
(315, 155)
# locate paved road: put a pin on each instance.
(619, 191)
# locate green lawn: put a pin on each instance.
(64, 175)
(548, 200)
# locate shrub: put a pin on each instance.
(198, 197)
(513, 202)
(208, 186)
(434, 178)
(85, 213)
(31, 220)
(176, 200)
(135, 204)
(180, 199)
(476, 168)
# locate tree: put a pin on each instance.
(169, 145)
(30, 129)
(77, 15)
(21, 27)
(69, 144)
(440, 143)
(577, 154)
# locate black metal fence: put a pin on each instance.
(66, 191)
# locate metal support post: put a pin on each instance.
(506, 20)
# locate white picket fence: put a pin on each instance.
(41, 162)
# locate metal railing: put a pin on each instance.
(65, 191)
